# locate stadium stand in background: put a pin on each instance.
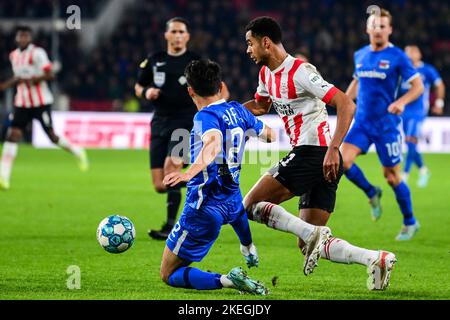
(101, 78)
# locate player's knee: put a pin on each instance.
(392, 178)
(164, 275)
(348, 161)
(14, 135)
(160, 187)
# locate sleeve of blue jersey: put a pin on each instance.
(406, 68)
(434, 74)
(205, 121)
(252, 122)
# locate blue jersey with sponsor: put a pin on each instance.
(419, 108)
(380, 74)
(219, 182)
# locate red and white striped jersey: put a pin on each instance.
(26, 64)
(299, 94)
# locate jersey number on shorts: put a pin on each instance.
(393, 149)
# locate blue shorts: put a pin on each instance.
(197, 229)
(388, 143)
(412, 126)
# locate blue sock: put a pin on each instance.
(193, 278)
(418, 159)
(403, 196)
(242, 229)
(410, 156)
(355, 175)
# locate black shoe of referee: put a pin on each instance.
(161, 234)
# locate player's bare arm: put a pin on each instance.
(345, 110)
(259, 107)
(212, 145)
(413, 93)
(47, 76)
(439, 91)
(352, 89)
(9, 83)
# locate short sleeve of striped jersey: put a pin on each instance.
(261, 91)
(41, 59)
(310, 80)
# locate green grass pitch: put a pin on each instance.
(50, 215)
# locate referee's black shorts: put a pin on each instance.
(166, 140)
(301, 172)
(21, 117)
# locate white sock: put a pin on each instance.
(9, 153)
(226, 283)
(75, 150)
(338, 250)
(276, 217)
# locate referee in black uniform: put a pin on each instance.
(161, 80)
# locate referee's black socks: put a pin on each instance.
(173, 204)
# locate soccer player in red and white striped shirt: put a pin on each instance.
(314, 166)
(32, 69)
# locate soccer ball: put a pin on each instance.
(116, 234)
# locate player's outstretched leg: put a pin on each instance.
(379, 263)
(276, 217)
(78, 152)
(176, 273)
(9, 154)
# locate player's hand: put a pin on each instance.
(152, 94)
(396, 107)
(174, 178)
(437, 111)
(331, 164)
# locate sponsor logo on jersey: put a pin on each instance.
(384, 64)
(371, 74)
(283, 108)
(315, 79)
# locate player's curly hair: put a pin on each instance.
(204, 77)
(265, 27)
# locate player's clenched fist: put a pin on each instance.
(396, 107)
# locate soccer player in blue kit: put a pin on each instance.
(416, 112)
(379, 69)
(213, 195)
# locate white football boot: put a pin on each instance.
(380, 270)
(312, 248)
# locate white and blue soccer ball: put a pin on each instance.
(116, 233)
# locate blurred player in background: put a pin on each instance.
(213, 194)
(32, 69)
(161, 80)
(313, 168)
(379, 68)
(416, 112)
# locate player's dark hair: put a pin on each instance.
(204, 77)
(177, 19)
(265, 27)
(23, 28)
